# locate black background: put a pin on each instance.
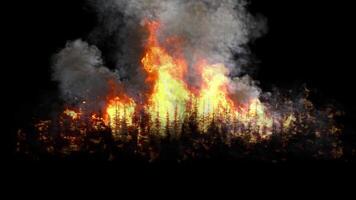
(308, 42)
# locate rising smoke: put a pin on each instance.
(81, 75)
(210, 29)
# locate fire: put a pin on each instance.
(71, 113)
(213, 96)
(257, 113)
(170, 93)
(289, 121)
(119, 113)
(174, 110)
(172, 100)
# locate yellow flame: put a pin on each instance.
(170, 97)
(213, 96)
(119, 112)
(169, 93)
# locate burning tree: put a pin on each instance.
(191, 107)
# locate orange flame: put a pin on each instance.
(119, 112)
(165, 73)
(170, 96)
(213, 96)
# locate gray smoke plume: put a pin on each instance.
(243, 90)
(81, 75)
(214, 30)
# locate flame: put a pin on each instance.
(194, 110)
(213, 96)
(172, 98)
(119, 112)
(170, 93)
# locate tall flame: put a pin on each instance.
(170, 93)
(213, 95)
(171, 96)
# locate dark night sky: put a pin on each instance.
(308, 42)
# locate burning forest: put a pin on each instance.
(177, 92)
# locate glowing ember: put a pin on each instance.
(71, 113)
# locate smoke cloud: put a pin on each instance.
(214, 30)
(81, 74)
